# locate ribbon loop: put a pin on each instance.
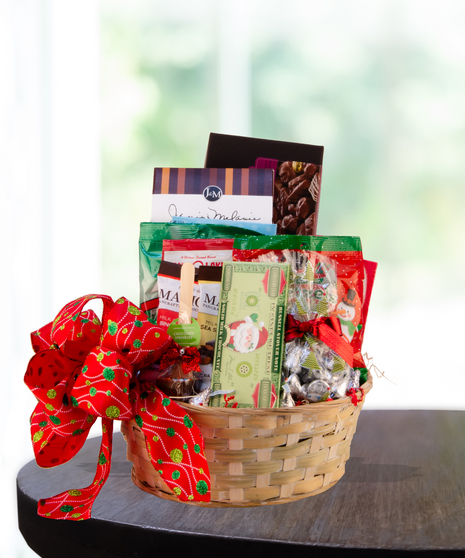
(50, 376)
(63, 327)
(103, 385)
(127, 330)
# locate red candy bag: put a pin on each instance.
(329, 278)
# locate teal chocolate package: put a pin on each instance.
(151, 248)
(250, 334)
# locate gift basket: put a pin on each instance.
(294, 444)
(262, 456)
(239, 379)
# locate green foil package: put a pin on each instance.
(151, 248)
(250, 334)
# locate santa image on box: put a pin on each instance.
(247, 335)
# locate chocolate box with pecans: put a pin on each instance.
(297, 180)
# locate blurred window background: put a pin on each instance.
(95, 95)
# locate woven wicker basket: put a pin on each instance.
(259, 457)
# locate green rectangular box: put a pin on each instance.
(250, 335)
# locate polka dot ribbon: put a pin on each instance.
(84, 369)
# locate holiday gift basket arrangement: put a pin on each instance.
(239, 377)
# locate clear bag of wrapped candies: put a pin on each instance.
(329, 294)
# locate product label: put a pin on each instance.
(185, 335)
(208, 311)
(212, 251)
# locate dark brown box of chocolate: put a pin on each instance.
(298, 168)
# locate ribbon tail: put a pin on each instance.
(174, 444)
(76, 504)
(337, 343)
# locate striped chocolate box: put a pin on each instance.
(235, 194)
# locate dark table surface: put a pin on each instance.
(403, 493)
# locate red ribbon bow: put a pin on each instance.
(188, 356)
(352, 393)
(327, 330)
(83, 370)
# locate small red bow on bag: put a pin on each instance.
(83, 370)
(327, 330)
(189, 357)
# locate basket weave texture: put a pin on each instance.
(261, 456)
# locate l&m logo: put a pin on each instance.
(212, 193)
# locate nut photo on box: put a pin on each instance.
(295, 196)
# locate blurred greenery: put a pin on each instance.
(380, 86)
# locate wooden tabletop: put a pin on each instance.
(403, 491)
